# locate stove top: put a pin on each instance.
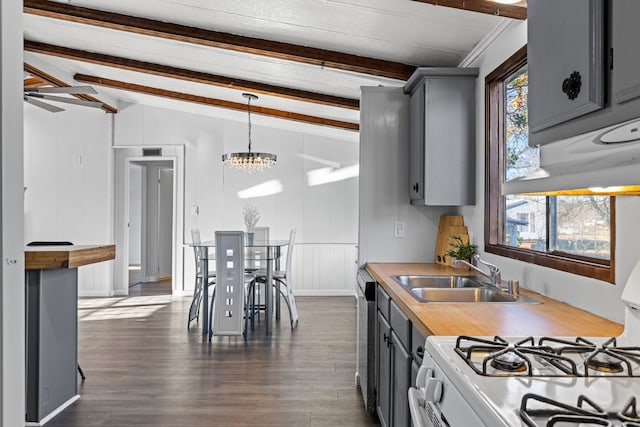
(493, 374)
(537, 410)
(548, 357)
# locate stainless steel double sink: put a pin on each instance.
(431, 288)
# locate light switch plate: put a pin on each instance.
(398, 229)
(195, 210)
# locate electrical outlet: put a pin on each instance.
(195, 210)
(398, 230)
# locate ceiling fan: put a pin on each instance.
(34, 96)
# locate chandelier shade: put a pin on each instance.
(249, 162)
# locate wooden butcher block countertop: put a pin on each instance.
(487, 319)
(56, 257)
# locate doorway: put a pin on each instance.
(171, 156)
(150, 226)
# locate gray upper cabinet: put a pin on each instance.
(442, 136)
(565, 55)
(625, 61)
(612, 54)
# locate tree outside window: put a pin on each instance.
(571, 233)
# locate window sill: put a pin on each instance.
(600, 271)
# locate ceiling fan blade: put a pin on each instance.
(44, 105)
(66, 100)
(65, 89)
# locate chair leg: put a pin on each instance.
(213, 297)
(276, 285)
(194, 309)
(282, 285)
(81, 373)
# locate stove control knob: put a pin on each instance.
(423, 374)
(433, 390)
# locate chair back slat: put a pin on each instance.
(228, 311)
(256, 257)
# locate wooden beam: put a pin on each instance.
(33, 82)
(516, 11)
(189, 75)
(213, 102)
(217, 39)
(59, 83)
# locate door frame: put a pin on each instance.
(124, 156)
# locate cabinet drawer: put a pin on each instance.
(401, 325)
(417, 343)
(382, 300)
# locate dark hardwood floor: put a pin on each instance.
(144, 368)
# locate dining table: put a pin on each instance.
(269, 252)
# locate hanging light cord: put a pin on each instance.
(249, 114)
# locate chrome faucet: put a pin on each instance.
(494, 273)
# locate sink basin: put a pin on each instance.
(428, 288)
(441, 281)
(484, 294)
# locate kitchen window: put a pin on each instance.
(569, 233)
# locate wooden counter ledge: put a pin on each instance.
(57, 257)
(551, 318)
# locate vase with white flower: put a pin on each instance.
(251, 215)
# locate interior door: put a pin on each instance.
(165, 221)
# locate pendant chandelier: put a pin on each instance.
(248, 161)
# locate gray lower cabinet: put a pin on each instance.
(394, 359)
(401, 371)
(383, 371)
(417, 352)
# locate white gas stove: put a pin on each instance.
(532, 381)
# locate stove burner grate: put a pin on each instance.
(509, 359)
(580, 357)
(585, 413)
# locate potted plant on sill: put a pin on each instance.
(460, 249)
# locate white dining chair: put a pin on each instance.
(194, 309)
(283, 281)
(229, 305)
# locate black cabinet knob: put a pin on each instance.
(572, 85)
(416, 186)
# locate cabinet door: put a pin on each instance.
(383, 371)
(626, 62)
(401, 374)
(565, 56)
(416, 143)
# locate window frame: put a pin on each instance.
(494, 201)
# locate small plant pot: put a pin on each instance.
(461, 266)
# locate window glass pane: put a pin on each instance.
(525, 222)
(582, 226)
(519, 158)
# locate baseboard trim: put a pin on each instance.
(53, 413)
(324, 292)
(101, 293)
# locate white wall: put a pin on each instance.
(68, 172)
(325, 216)
(593, 295)
(384, 184)
(12, 312)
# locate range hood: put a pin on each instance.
(603, 162)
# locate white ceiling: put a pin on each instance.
(403, 31)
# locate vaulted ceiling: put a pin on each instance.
(306, 59)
